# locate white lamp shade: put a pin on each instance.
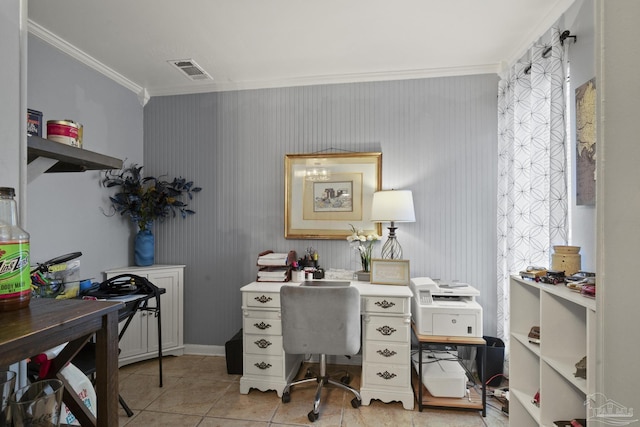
(392, 205)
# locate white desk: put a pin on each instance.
(386, 342)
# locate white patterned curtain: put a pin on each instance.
(532, 164)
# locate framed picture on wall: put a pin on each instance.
(325, 193)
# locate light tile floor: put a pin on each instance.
(197, 391)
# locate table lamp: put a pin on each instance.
(392, 206)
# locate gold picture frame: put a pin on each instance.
(390, 272)
(325, 193)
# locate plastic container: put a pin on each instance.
(83, 388)
(15, 278)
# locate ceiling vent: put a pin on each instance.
(190, 69)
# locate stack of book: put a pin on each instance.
(274, 266)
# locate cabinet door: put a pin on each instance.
(171, 303)
(134, 341)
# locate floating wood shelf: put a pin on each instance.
(67, 157)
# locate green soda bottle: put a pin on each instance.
(15, 279)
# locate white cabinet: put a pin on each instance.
(140, 341)
(265, 364)
(386, 350)
(567, 334)
(386, 342)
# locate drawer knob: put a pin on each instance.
(386, 330)
(386, 352)
(262, 365)
(385, 304)
(262, 343)
(386, 375)
(263, 299)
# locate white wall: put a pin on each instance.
(11, 83)
(618, 209)
(579, 19)
(64, 209)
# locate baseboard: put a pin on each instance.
(204, 350)
(174, 351)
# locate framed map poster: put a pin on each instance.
(586, 143)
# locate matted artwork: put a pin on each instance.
(327, 193)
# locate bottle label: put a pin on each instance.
(15, 278)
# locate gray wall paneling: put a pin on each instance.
(438, 139)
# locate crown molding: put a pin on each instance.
(327, 79)
(55, 41)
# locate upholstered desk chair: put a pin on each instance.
(323, 320)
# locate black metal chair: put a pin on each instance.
(124, 284)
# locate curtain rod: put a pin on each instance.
(566, 34)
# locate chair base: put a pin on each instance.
(323, 380)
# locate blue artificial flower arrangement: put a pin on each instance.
(146, 199)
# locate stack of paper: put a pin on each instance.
(272, 275)
(273, 259)
(275, 266)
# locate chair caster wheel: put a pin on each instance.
(286, 397)
(346, 379)
(312, 416)
(355, 402)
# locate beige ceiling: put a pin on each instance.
(246, 44)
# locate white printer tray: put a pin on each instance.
(442, 375)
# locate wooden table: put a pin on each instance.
(422, 394)
(47, 323)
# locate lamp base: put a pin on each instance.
(391, 248)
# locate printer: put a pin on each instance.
(448, 309)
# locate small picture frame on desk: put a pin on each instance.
(390, 272)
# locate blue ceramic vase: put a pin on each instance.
(144, 248)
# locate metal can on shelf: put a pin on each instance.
(63, 131)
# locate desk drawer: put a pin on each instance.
(383, 352)
(381, 328)
(394, 305)
(387, 375)
(263, 344)
(262, 326)
(270, 366)
(263, 299)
